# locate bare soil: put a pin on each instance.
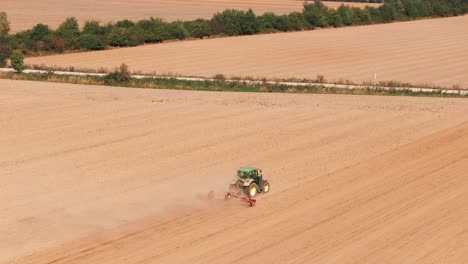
(107, 175)
(432, 51)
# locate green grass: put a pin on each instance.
(217, 85)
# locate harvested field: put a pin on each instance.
(24, 14)
(107, 175)
(420, 52)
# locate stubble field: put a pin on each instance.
(430, 52)
(25, 14)
(106, 175)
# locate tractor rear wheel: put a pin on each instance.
(251, 190)
(266, 187)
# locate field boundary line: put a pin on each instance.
(285, 83)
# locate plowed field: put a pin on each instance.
(420, 52)
(24, 14)
(106, 175)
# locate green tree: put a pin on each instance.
(235, 22)
(125, 23)
(39, 32)
(153, 30)
(199, 28)
(69, 28)
(316, 17)
(267, 22)
(296, 21)
(17, 61)
(346, 14)
(281, 23)
(94, 28)
(413, 8)
(4, 26)
(176, 30)
(374, 13)
(360, 16)
(122, 37)
(226, 23)
(119, 37)
(69, 32)
(91, 42)
(270, 22)
(391, 11)
(248, 22)
(334, 18)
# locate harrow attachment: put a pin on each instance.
(250, 201)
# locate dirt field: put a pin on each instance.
(107, 175)
(420, 52)
(24, 14)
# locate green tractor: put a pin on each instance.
(248, 181)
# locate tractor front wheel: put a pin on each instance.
(266, 187)
(251, 190)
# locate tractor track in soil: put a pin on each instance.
(355, 179)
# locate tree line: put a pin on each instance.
(96, 36)
(359, 1)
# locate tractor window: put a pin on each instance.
(242, 174)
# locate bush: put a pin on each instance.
(118, 76)
(5, 53)
(199, 28)
(56, 44)
(125, 24)
(39, 32)
(296, 21)
(17, 61)
(225, 23)
(69, 31)
(374, 13)
(176, 30)
(153, 30)
(13, 43)
(346, 15)
(91, 42)
(334, 19)
(118, 38)
(249, 24)
(123, 37)
(69, 28)
(360, 16)
(235, 22)
(93, 28)
(315, 14)
(390, 12)
(269, 22)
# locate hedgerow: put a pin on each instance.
(94, 36)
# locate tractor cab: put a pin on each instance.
(250, 181)
(250, 173)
